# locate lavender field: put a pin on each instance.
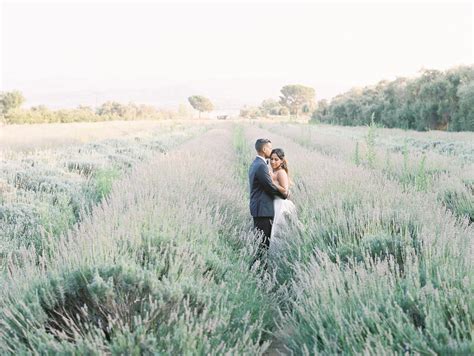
(142, 243)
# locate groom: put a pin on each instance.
(262, 191)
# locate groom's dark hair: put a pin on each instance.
(260, 143)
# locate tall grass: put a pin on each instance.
(448, 176)
(161, 266)
(376, 268)
(163, 261)
(45, 192)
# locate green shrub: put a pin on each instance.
(82, 167)
(100, 305)
(460, 203)
(102, 182)
(20, 224)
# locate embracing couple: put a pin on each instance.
(269, 192)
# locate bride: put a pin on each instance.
(285, 210)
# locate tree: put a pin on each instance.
(321, 111)
(433, 100)
(251, 112)
(465, 117)
(200, 103)
(10, 100)
(270, 107)
(111, 109)
(295, 96)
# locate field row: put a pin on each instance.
(449, 177)
(374, 267)
(163, 262)
(45, 192)
(162, 265)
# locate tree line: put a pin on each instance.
(441, 100)
(12, 113)
(294, 99)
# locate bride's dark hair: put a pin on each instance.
(281, 155)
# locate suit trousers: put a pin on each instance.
(264, 224)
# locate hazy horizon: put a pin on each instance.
(67, 54)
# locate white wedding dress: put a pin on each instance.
(285, 212)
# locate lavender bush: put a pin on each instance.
(378, 262)
(46, 192)
(162, 265)
(375, 267)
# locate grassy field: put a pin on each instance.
(137, 239)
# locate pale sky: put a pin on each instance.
(63, 54)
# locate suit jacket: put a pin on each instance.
(262, 190)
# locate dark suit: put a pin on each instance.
(262, 193)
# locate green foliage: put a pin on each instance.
(10, 100)
(461, 203)
(406, 169)
(434, 100)
(375, 246)
(321, 111)
(243, 154)
(251, 112)
(20, 222)
(295, 96)
(201, 103)
(102, 182)
(370, 141)
(356, 158)
(58, 215)
(110, 110)
(464, 119)
(102, 305)
(271, 107)
(81, 166)
(421, 179)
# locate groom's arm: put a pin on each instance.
(265, 180)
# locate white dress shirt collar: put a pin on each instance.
(264, 160)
